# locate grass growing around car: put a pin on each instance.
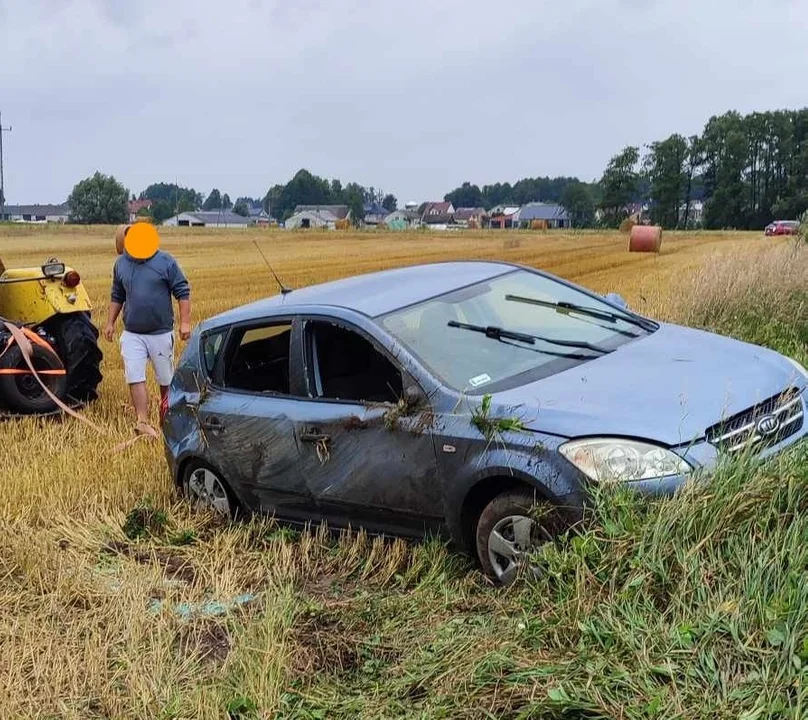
(118, 601)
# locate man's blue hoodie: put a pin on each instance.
(145, 288)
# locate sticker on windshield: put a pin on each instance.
(480, 380)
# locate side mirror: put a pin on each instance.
(617, 300)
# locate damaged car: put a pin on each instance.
(450, 399)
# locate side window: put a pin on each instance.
(211, 345)
(259, 359)
(345, 366)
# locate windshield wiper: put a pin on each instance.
(569, 307)
(498, 333)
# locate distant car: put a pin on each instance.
(782, 227)
(450, 398)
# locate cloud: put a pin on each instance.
(414, 97)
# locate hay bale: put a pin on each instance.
(645, 238)
(628, 225)
(538, 224)
(342, 224)
(120, 233)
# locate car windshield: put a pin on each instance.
(466, 358)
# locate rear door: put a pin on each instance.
(365, 434)
(246, 417)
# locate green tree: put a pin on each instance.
(577, 200)
(354, 195)
(99, 199)
(467, 195)
(240, 208)
(667, 173)
(620, 183)
(227, 203)
(213, 201)
(389, 202)
(169, 199)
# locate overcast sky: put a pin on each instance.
(412, 97)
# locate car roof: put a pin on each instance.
(371, 294)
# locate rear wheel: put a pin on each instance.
(204, 487)
(510, 527)
(20, 392)
(77, 342)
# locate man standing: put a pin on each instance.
(144, 279)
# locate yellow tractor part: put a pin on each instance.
(28, 297)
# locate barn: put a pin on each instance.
(209, 218)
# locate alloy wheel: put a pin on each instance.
(205, 489)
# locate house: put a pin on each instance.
(36, 213)
(259, 216)
(135, 206)
(317, 216)
(695, 214)
(504, 216)
(552, 215)
(208, 218)
(471, 217)
(403, 219)
(375, 213)
(438, 215)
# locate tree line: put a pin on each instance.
(747, 169)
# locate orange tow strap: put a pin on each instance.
(24, 339)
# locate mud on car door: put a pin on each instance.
(365, 434)
(246, 417)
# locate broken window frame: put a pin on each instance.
(235, 333)
(409, 384)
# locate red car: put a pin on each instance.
(782, 227)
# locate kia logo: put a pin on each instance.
(768, 425)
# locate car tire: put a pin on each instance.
(203, 486)
(510, 526)
(21, 393)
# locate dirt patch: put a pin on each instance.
(355, 423)
(206, 639)
(325, 642)
(174, 566)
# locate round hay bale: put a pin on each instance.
(120, 234)
(645, 238)
(627, 225)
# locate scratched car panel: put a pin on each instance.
(446, 398)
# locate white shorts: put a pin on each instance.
(137, 350)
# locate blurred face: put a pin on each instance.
(141, 240)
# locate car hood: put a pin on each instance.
(669, 386)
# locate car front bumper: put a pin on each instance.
(705, 458)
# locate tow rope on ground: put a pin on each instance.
(25, 339)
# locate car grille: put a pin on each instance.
(748, 429)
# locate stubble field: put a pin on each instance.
(104, 572)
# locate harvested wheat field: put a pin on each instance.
(118, 601)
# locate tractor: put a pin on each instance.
(51, 307)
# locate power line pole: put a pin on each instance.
(2, 184)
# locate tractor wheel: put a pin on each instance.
(19, 390)
(77, 342)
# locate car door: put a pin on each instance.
(365, 434)
(246, 416)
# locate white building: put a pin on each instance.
(208, 218)
(317, 216)
(36, 213)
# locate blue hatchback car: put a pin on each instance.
(451, 398)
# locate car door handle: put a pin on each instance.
(314, 436)
(213, 424)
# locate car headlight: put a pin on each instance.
(616, 460)
(800, 369)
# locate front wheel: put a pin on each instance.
(510, 527)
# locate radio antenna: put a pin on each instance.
(284, 290)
